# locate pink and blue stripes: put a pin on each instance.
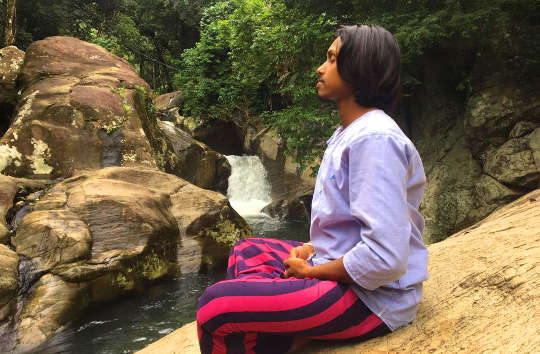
(257, 310)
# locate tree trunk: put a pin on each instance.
(9, 28)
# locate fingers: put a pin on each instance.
(294, 252)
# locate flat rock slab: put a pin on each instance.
(483, 294)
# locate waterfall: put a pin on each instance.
(249, 190)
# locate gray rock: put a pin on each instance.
(513, 164)
(11, 60)
(522, 128)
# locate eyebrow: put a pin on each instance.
(331, 51)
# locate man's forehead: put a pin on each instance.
(334, 47)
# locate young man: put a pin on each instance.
(361, 275)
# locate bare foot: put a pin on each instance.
(298, 343)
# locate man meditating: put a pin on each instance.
(361, 275)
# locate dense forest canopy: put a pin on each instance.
(255, 60)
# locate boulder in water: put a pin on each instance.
(101, 234)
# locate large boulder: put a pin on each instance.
(81, 108)
(200, 165)
(98, 235)
(480, 296)
(210, 225)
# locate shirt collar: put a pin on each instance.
(340, 129)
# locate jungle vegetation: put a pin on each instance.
(254, 61)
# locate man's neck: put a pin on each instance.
(349, 110)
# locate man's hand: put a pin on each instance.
(303, 252)
(297, 268)
(296, 265)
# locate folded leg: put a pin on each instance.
(261, 315)
(259, 258)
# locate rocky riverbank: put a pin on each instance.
(92, 202)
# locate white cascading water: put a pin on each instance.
(249, 190)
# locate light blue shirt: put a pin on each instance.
(365, 209)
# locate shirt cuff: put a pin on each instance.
(349, 262)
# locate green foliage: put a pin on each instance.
(150, 34)
(257, 58)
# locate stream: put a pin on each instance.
(133, 322)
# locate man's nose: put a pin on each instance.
(320, 70)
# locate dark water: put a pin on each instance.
(133, 322)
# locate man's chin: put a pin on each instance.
(324, 98)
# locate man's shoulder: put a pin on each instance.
(375, 125)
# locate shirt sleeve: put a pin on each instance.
(378, 172)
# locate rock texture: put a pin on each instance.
(11, 60)
(9, 275)
(483, 294)
(101, 234)
(9, 189)
(168, 100)
(296, 209)
(198, 163)
(81, 108)
(168, 110)
(478, 148)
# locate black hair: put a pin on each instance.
(369, 61)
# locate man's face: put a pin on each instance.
(330, 85)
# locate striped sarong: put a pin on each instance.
(257, 310)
